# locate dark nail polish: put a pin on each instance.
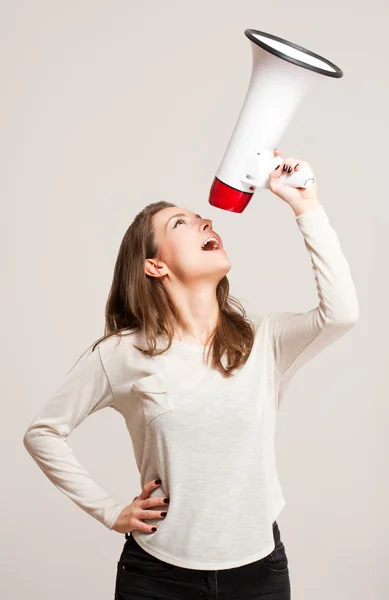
(290, 169)
(297, 165)
(166, 500)
(163, 514)
(284, 167)
(157, 481)
(153, 529)
(277, 167)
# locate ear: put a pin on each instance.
(155, 268)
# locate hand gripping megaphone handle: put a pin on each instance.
(302, 178)
(263, 163)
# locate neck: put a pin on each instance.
(198, 312)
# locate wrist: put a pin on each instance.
(305, 205)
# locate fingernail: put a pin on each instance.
(277, 168)
(166, 500)
(163, 514)
(284, 167)
(158, 481)
(153, 529)
(297, 165)
(290, 169)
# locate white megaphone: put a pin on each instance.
(275, 90)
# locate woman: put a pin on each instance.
(198, 385)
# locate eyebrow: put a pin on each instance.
(179, 215)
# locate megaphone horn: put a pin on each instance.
(275, 90)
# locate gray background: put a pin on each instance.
(107, 106)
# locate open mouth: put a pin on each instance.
(211, 244)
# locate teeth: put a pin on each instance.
(215, 246)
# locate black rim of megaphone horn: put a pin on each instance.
(250, 34)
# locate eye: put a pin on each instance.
(178, 220)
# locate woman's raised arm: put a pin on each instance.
(298, 337)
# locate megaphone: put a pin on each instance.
(275, 91)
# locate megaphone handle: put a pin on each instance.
(302, 178)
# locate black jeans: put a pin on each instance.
(143, 576)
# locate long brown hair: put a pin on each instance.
(140, 302)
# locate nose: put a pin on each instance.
(208, 223)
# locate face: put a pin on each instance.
(180, 240)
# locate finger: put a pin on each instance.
(277, 152)
(277, 172)
(143, 526)
(293, 167)
(150, 502)
(281, 169)
(289, 164)
(149, 487)
(152, 514)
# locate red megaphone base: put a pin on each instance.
(226, 197)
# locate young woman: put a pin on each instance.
(199, 386)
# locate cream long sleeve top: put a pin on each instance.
(209, 439)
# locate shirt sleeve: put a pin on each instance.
(84, 391)
(298, 337)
